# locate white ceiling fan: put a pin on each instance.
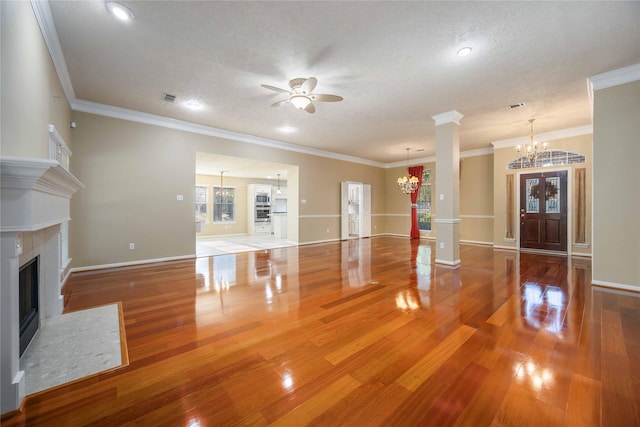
(300, 95)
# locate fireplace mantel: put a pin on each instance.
(35, 193)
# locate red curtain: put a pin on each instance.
(417, 172)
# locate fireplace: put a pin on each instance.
(29, 313)
(35, 197)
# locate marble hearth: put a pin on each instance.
(35, 199)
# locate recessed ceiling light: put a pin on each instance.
(464, 51)
(193, 105)
(287, 129)
(120, 11)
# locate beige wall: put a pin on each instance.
(579, 144)
(133, 172)
(32, 97)
(476, 199)
(616, 127)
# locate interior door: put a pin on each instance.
(543, 211)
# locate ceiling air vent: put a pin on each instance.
(516, 105)
(169, 98)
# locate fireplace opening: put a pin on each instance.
(28, 302)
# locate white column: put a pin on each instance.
(448, 188)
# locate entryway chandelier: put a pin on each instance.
(408, 185)
(533, 149)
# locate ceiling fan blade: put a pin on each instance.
(308, 86)
(279, 103)
(277, 89)
(310, 108)
(326, 98)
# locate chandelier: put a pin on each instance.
(408, 185)
(222, 192)
(533, 149)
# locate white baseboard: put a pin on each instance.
(129, 263)
(505, 248)
(448, 263)
(612, 285)
(476, 242)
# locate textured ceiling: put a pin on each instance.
(394, 63)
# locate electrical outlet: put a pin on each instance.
(132, 246)
(327, 230)
(179, 197)
(441, 245)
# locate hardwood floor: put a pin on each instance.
(361, 333)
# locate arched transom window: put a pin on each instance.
(547, 158)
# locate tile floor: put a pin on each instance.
(221, 245)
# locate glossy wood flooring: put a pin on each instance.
(359, 333)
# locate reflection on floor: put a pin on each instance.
(220, 245)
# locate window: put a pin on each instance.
(201, 203)
(424, 202)
(548, 158)
(224, 204)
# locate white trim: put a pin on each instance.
(582, 255)
(396, 235)
(161, 121)
(403, 163)
(548, 136)
(581, 245)
(613, 285)
(478, 152)
(509, 240)
(476, 242)
(320, 216)
(452, 116)
(614, 78)
(319, 241)
(33, 227)
(447, 220)
(448, 263)
(130, 263)
(42, 11)
(65, 278)
(506, 248)
(477, 216)
(432, 159)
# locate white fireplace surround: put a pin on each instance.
(35, 197)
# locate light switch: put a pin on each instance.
(179, 197)
(441, 196)
(303, 201)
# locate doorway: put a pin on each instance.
(355, 210)
(543, 211)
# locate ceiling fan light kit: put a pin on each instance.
(301, 96)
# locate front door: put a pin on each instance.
(543, 211)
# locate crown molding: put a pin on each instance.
(452, 116)
(43, 14)
(548, 136)
(476, 152)
(166, 122)
(615, 77)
